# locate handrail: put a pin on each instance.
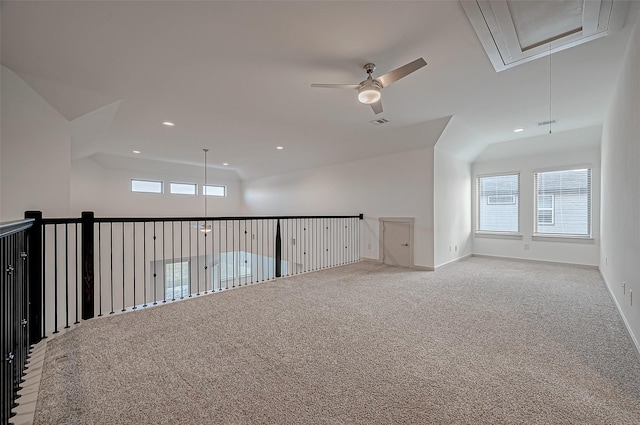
(159, 219)
(11, 227)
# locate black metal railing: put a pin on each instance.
(14, 312)
(97, 266)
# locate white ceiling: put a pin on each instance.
(235, 78)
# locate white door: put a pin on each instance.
(396, 243)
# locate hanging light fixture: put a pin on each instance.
(206, 228)
(369, 93)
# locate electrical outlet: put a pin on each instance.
(624, 288)
(369, 246)
(253, 236)
(293, 241)
(449, 248)
(606, 261)
(526, 247)
(456, 248)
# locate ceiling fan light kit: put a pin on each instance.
(369, 94)
(369, 90)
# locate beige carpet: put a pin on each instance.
(483, 341)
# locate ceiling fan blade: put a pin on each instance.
(393, 76)
(337, 86)
(377, 107)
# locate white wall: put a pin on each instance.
(35, 153)
(452, 208)
(620, 243)
(396, 185)
(554, 250)
(106, 190)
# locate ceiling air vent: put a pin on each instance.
(379, 121)
(541, 123)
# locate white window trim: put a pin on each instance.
(214, 185)
(195, 186)
(148, 181)
(496, 233)
(567, 237)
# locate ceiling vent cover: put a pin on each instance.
(379, 121)
(541, 123)
(513, 32)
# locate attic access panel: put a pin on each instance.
(517, 31)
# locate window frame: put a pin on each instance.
(205, 186)
(194, 185)
(497, 233)
(552, 209)
(537, 235)
(147, 181)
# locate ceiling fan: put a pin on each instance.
(369, 89)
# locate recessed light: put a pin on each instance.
(168, 124)
(279, 148)
(136, 151)
(225, 163)
(518, 130)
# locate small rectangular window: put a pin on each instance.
(183, 188)
(545, 210)
(498, 203)
(211, 190)
(146, 186)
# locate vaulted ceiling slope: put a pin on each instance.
(235, 78)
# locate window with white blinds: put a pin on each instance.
(563, 203)
(498, 203)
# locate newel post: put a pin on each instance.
(34, 271)
(88, 293)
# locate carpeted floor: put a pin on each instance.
(483, 341)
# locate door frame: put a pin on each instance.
(407, 220)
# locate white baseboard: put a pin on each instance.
(455, 260)
(379, 261)
(531, 260)
(423, 268)
(624, 319)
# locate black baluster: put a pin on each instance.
(135, 306)
(205, 257)
(198, 262)
(99, 270)
(66, 275)
(189, 230)
(173, 263)
(278, 250)
(111, 263)
(144, 264)
(55, 279)
(181, 260)
(226, 253)
(155, 271)
(164, 263)
(124, 304)
(77, 278)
